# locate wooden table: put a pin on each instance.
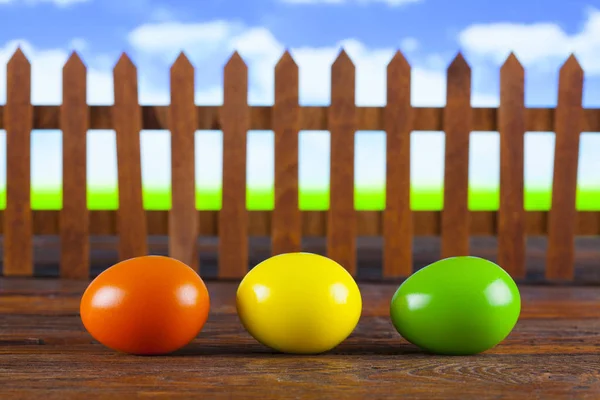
(554, 352)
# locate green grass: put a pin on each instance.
(315, 199)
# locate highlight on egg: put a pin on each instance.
(456, 306)
(146, 305)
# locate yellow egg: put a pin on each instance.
(299, 303)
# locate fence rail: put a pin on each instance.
(286, 224)
(313, 223)
(313, 118)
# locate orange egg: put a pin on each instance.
(146, 305)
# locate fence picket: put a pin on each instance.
(457, 126)
(511, 122)
(127, 120)
(183, 218)
(398, 220)
(233, 217)
(286, 222)
(562, 218)
(74, 215)
(18, 121)
(341, 222)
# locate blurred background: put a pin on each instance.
(428, 32)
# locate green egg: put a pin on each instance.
(456, 306)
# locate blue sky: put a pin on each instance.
(430, 32)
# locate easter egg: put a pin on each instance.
(456, 306)
(146, 306)
(299, 303)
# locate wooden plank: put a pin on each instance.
(183, 218)
(127, 120)
(74, 215)
(588, 224)
(397, 220)
(341, 221)
(314, 223)
(18, 226)
(590, 120)
(260, 223)
(233, 218)
(369, 223)
(287, 223)
(562, 218)
(208, 223)
(103, 222)
(457, 125)
(45, 332)
(48, 300)
(157, 223)
(46, 222)
(511, 122)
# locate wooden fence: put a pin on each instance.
(286, 224)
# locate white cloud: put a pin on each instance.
(537, 43)
(391, 3)
(166, 38)
(162, 13)
(78, 44)
(58, 3)
(409, 44)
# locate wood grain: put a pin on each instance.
(397, 219)
(131, 222)
(233, 217)
(18, 224)
(183, 218)
(457, 117)
(74, 215)
(561, 229)
(341, 221)
(557, 325)
(511, 122)
(286, 224)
